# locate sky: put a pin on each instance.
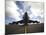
(16, 9)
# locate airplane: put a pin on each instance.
(25, 20)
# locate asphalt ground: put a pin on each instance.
(17, 29)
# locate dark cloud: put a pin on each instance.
(20, 4)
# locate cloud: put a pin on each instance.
(14, 10)
(9, 19)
